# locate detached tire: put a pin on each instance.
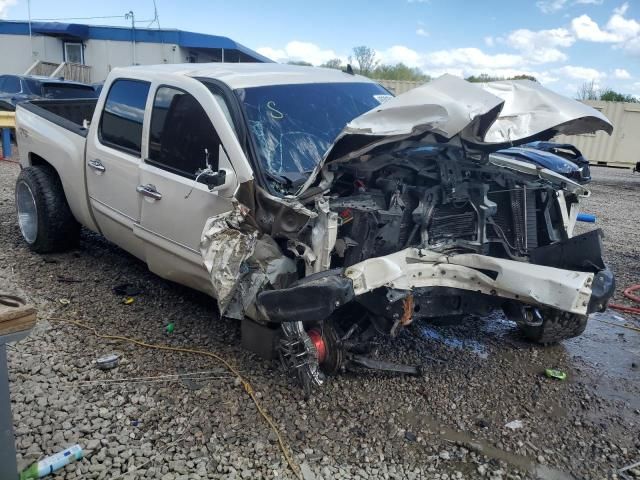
(555, 326)
(44, 217)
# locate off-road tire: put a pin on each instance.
(57, 229)
(556, 326)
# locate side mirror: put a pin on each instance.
(212, 179)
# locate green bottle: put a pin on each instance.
(48, 465)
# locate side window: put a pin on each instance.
(121, 122)
(11, 84)
(181, 134)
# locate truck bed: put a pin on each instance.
(69, 114)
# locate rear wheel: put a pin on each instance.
(44, 217)
(546, 325)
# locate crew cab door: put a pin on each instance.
(183, 139)
(112, 163)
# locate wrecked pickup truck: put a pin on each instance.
(316, 207)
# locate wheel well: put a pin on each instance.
(37, 160)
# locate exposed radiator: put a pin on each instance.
(450, 221)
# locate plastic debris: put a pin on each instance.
(50, 464)
(557, 374)
(514, 424)
(108, 361)
(128, 300)
(170, 327)
(64, 301)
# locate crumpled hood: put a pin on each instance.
(489, 116)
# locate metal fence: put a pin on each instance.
(621, 149)
(399, 86)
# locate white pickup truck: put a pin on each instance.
(315, 206)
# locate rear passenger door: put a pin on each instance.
(182, 141)
(112, 163)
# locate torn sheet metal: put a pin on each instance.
(445, 107)
(224, 248)
(265, 268)
(479, 114)
(530, 109)
(416, 268)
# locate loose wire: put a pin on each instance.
(245, 383)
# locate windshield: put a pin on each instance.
(294, 125)
(60, 90)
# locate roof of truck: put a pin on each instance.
(244, 75)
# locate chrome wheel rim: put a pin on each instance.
(27, 213)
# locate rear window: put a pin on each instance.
(58, 90)
(121, 123)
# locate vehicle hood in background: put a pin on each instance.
(489, 116)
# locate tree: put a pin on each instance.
(333, 63)
(588, 91)
(301, 63)
(399, 71)
(610, 95)
(485, 77)
(366, 59)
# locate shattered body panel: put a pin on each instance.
(414, 213)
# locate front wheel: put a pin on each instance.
(44, 217)
(546, 325)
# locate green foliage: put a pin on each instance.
(484, 78)
(589, 91)
(300, 63)
(333, 63)
(399, 71)
(610, 95)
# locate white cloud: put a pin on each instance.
(400, 54)
(542, 46)
(581, 73)
(621, 31)
(421, 32)
(300, 51)
(553, 6)
(621, 74)
(586, 29)
(472, 57)
(489, 41)
(4, 7)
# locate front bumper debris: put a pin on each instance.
(315, 298)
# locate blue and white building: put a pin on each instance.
(89, 52)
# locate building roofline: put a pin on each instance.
(181, 38)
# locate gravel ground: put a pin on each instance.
(447, 424)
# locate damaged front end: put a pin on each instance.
(414, 214)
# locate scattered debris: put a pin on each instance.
(410, 436)
(128, 300)
(64, 301)
(50, 464)
(557, 374)
(170, 327)
(514, 424)
(108, 361)
(630, 471)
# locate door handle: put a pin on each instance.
(96, 165)
(149, 191)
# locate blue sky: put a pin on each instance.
(564, 43)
